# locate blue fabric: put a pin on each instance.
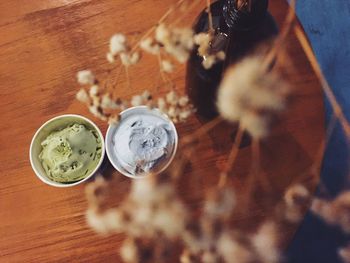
(327, 24)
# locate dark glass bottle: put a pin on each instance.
(237, 31)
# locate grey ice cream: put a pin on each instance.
(143, 143)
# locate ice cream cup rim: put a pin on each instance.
(47, 180)
(113, 126)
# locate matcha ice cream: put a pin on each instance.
(70, 154)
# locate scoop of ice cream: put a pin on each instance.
(143, 143)
(70, 154)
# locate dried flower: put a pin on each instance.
(265, 242)
(178, 108)
(113, 120)
(150, 46)
(220, 204)
(129, 251)
(230, 249)
(110, 57)
(183, 101)
(250, 95)
(107, 222)
(117, 44)
(136, 100)
(82, 96)
(108, 103)
(344, 254)
(209, 257)
(297, 200)
(128, 60)
(162, 105)
(210, 57)
(221, 55)
(96, 192)
(186, 257)
(177, 42)
(97, 112)
(149, 210)
(336, 212)
(144, 99)
(203, 42)
(172, 98)
(85, 77)
(167, 66)
(208, 62)
(93, 90)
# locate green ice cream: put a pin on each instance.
(70, 154)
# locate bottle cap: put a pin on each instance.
(244, 14)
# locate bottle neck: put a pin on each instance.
(244, 14)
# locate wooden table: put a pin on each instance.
(43, 44)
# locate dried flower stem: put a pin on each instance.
(232, 157)
(210, 17)
(151, 30)
(160, 68)
(256, 165)
(127, 76)
(115, 81)
(256, 156)
(164, 77)
(281, 39)
(201, 131)
(188, 9)
(325, 86)
(315, 167)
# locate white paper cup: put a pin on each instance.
(48, 127)
(117, 161)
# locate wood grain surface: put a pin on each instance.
(42, 46)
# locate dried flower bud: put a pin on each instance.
(177, 42)
(113, 120)
(220, 204)
(172, 98)
(108, 103)
(129, 251)
(150, 46)
(186, 257)
(85, 77)
(265, 242)
(252, 96)
(344, 254)
(110, 57)
(184, 101)
(296, 195)
(209, 257)
(229, 249)
(82, 96)
(146, 95)
(137, 100)
(162, 104)
(128, 60)
(162, 33)
(208, 61)
(107, 222)
(167, 66)
(176, 107)
(93, 90)
(117, 44)
(97, 112)
(297, 199)
(203, 41)
(221, 55)
(336, 212)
